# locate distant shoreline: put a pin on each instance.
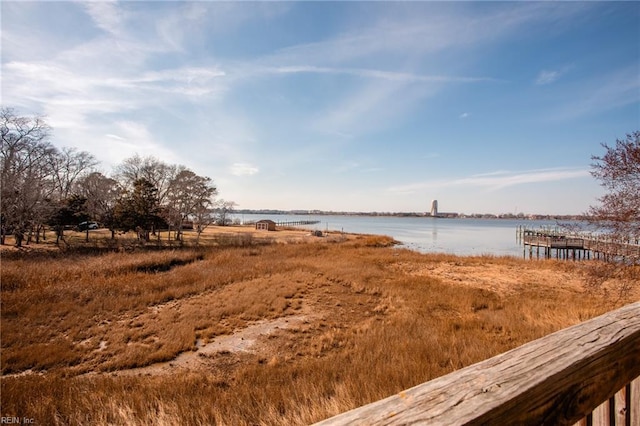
(520, 216)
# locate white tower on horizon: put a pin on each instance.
(434, 208)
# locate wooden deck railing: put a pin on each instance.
(298, 223)
(559, 379)
(597, 244)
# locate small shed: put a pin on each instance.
(266, 225)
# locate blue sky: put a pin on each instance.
(351, 106)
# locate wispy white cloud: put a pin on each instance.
(189, 21)
(368, 108)
(107, 15)
(547, 77)
(382, 96)
(129, 137)
(551, 76)
(604, 92)
(416, 34)
(50, 78)
(243, 169)
(493, 173)
(464, 115)
(494, 181)
(377, 74)
(70, 97)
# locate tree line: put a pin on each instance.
(43, 187)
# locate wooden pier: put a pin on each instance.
(565, 245)
(298, 223)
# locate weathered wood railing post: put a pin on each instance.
(556, 380)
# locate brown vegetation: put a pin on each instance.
(97, 338)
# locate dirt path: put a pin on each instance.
(245, 340)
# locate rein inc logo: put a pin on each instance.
(10, 420)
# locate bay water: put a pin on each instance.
(460, 236)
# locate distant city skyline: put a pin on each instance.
(488, 107)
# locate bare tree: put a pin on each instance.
(157, 172)
(618, 171)
(202, 218)
(101, 193)
(67, 165)
(26, 158)
(187, 193)
(618, 213)
(223, 209)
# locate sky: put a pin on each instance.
(488, 107)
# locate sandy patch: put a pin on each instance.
(245, 340)
(502, 279)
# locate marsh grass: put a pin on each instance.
(380, 320)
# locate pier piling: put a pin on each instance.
(574, 246)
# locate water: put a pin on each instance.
(426, 234)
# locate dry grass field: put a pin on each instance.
(255, 328)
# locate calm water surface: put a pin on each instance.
(426, 234)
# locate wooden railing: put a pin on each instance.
(597, 244)
(298, 223)
(559, 379)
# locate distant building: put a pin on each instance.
(435, 213)
(266, 225)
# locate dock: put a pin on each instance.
(550, 243)
(298, 223)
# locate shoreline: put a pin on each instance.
(452, 215)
